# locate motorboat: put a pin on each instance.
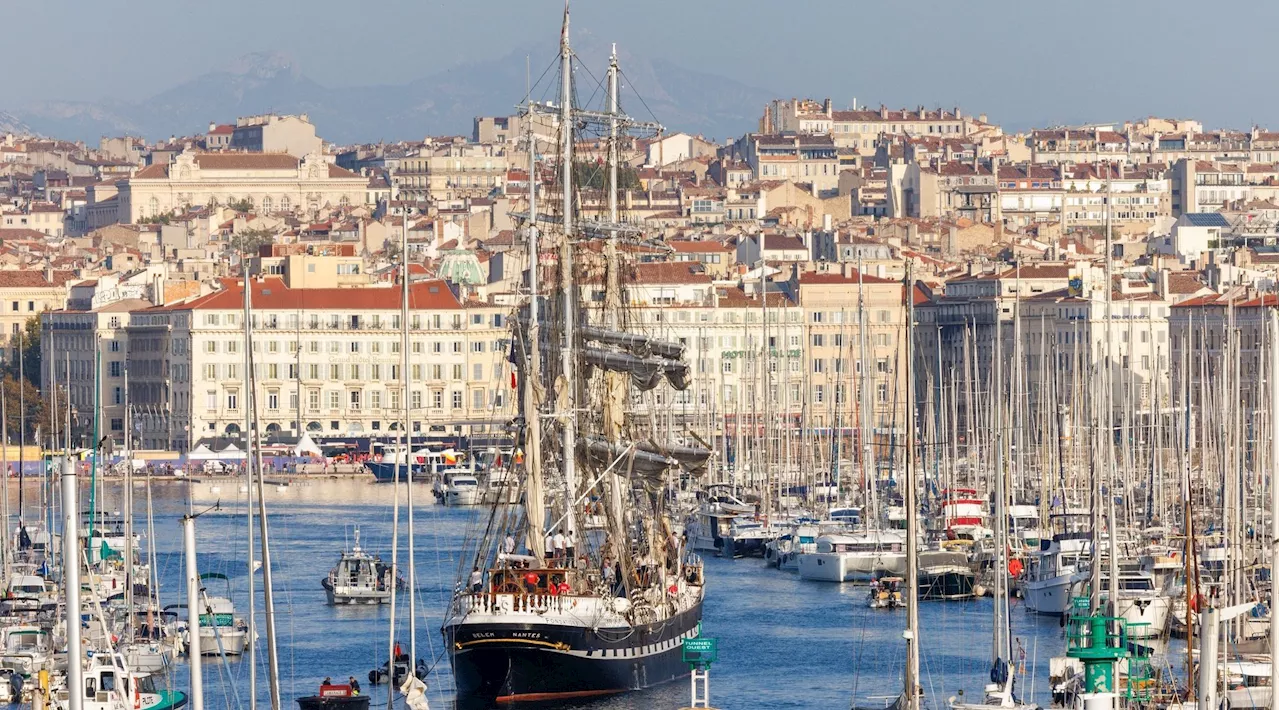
(1144, 608)
(783, 551)
(221, 631)
(108, 686)
(960, 511)
(723, 498)
(848, 557)
(358, 578)
(886, 593)
(502, 487)
(334, 697)
(25, 649)
(1024, 527)
(1056, 573)
(944, 575)
(461, 487)
(728, 534)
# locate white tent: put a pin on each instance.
(231, 452)
(201, 453)
(306, 446)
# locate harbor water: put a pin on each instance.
(783, 642)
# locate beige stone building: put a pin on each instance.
(270, 182)
(271, 133)
(454, 172)
(25, 294)
(327, 361)
(835, 318)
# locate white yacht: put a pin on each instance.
(1143, 606)
(25, 649)
(461, 488)
(221, 631)
(848, 557)
(728, 534)
(1056, 573)
(502, 487)
(784, 551)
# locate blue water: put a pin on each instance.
(784, 643)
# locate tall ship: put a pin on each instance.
(548, 606)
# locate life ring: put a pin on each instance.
(1015, 568)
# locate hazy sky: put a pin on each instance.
(1023, 62)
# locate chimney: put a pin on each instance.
(826, 222)
(884, 112)
(853, 105)
(48, 273)
(826, 107)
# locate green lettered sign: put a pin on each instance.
(699, 650)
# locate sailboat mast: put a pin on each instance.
(248, 508)
(1275, 495)
(254, 465)
(567, 352)
(128, 508)
(864, 396)
(405, 444)
(999, 642)
(408, 440)
(912, 675)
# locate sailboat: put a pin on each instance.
(613, 620)
(999, 692)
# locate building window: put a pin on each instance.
(233, 399)
(313, 400)
(457, 399)
(355, 399)
(273, 400)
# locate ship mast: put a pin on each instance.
(534, 511)
(615, 383)
(568, 357)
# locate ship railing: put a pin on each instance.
(514, 603)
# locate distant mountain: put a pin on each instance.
(442, 103)
(10, 123)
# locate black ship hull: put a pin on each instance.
(534, 662)
(945, 585)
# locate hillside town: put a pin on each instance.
(135, 250)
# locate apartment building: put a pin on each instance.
(327, 361)
(454, 172)
(856, 330)
(272, 133)
(796, 158)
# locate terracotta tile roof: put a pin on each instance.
(23, 234)
(698, 246)
(337, 172)
(814, 278)
(151, 172)
(665, 272)
(271, 294)
(34, 279)
(222, 129)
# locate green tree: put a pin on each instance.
(250, 240)
(34, 417)
(241, 205)
(27, 342)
